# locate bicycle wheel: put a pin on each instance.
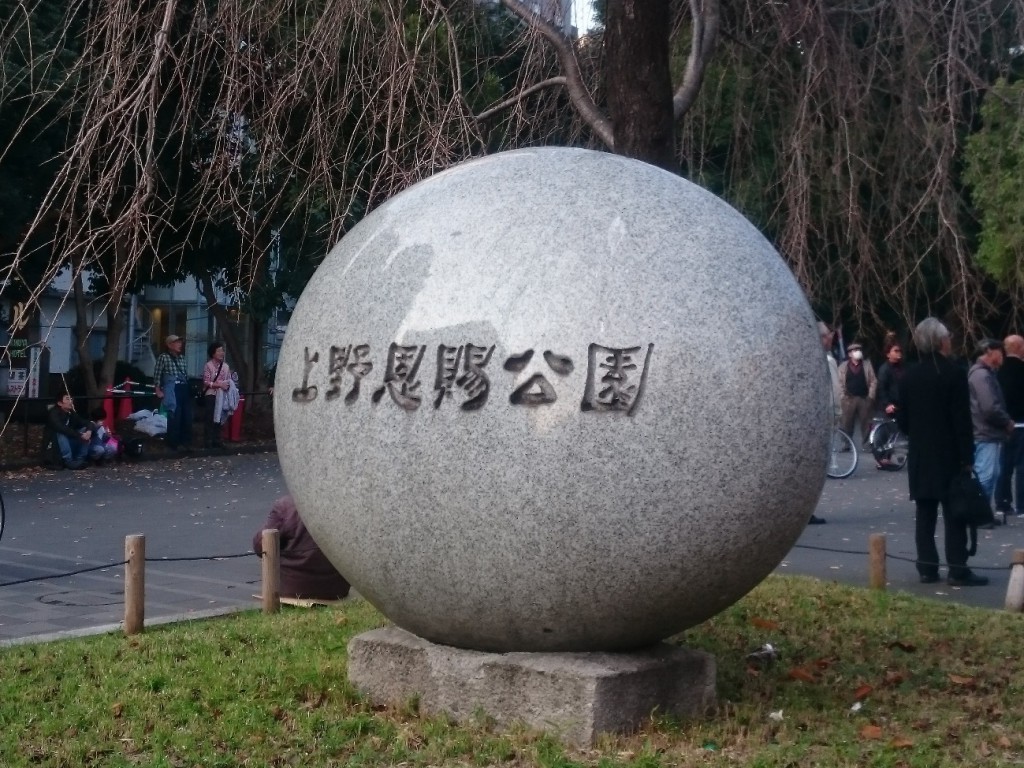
(842, 458)
(881, 440)
(898, 445)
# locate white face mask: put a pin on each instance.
(857, 355)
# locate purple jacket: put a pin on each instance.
(305, 570)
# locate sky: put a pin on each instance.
(583, 15)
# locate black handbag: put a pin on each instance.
(968, 504)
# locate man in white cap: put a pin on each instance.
(171, 377)
(858, 383)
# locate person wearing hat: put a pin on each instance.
(857, 383)
(990, 420)
(171, 377)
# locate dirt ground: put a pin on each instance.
(20, 443)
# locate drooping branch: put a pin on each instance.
(706, 17)
(576, 88)
(519, 96)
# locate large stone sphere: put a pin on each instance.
(553, 400)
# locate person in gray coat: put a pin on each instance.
(990, 420)
(934, 412)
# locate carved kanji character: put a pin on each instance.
(537, 390)
(462, 367)
(400, 378)
(306, 393)
(615, 382)
(349, 358)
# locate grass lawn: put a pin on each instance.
(863, 679)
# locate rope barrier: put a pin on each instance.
(62, 575)
(912, 560)
(196, 559)
(125, 562)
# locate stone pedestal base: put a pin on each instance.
(576, 695)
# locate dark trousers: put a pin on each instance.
(1011, 473)
(924, 535)
(179, 421)
(211, 431)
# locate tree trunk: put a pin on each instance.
(82, 330)
(115, 318)
(236, 351)
(257, 329)
(638, 81)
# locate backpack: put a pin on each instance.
(49, 454)
(968, 504)
(131, 449)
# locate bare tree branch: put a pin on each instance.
(560, 80)
(578, 93)
(706, 18)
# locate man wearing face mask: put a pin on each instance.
(858, 383)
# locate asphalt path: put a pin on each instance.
(210, 507)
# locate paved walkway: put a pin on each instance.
(870, 501)
(59, 522)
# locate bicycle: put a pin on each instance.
(888, 444)
(842, 458)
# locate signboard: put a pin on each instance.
(16, 382)
(26, 373)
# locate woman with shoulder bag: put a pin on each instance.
(216, 376)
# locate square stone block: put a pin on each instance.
(575, 695)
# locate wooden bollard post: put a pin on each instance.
(271, 570)
(1015, 589)
(134, 583)
(876, 550)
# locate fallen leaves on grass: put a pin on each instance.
(906, 647)
(862, 692)
(901, 742)
(764, 623)
(802, 674)
(894, 677)
(871, 732)
(966, 682)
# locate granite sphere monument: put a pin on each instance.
(553, 400)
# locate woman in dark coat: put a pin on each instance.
(935, 413)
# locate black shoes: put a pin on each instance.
(815, 520)
(967, 580)
(929, 578)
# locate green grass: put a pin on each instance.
(938, 685)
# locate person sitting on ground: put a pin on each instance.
(70, 431)
(103, 444)
(306, 573)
